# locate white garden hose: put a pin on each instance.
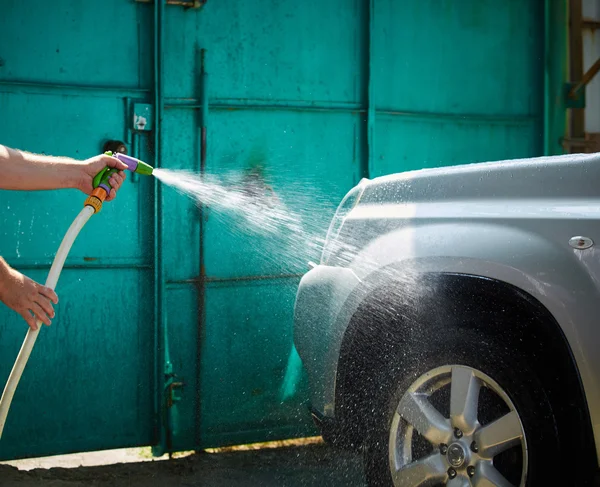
(30, 338)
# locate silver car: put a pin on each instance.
(451, 331)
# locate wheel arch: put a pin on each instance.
(530, 328)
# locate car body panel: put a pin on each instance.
(470, 220)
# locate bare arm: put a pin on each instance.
(24, 171)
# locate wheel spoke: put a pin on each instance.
(459, 481)
(486, 475)
(427, 471)
(464, 399)
(418, 411)
(499, 436)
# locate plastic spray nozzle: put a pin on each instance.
(101, 183)
(133, 164)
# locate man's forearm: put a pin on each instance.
(24, 171)
(3, 265)
(4, 270)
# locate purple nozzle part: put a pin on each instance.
(105, 187)
(131, 162)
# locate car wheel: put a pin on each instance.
(460, 410)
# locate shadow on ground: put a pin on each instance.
(307, 466)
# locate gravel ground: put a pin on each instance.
(303, 466)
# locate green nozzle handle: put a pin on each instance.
(101, 179)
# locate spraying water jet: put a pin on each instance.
(250, 199)
(92, 205)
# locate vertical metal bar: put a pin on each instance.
(135, 152)
(556, 114)
(547, 66)
(159, 303)
(201, 285)
(576, 65)
(204, 113)
(129, 135)
(371, 92)
(127, 121)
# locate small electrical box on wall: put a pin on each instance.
(142, 116)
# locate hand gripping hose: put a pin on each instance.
(92, 205)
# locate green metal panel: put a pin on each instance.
(246, 399)
(318, 96)
(473, 57)
(268, 50)
(438, 141)
(303, 160)
(464, 84)
(69, 42)
(258, 317)
(87, 386)
(67, 70)
(281, 100)
(555, 74)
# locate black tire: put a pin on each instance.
(434, 344)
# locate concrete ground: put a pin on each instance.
(297, 466)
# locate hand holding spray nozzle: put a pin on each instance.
(101, 185)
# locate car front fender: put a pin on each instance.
(561, 278)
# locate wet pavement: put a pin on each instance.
(305, 466)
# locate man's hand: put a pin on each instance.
(90, 167)
(28, 298)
